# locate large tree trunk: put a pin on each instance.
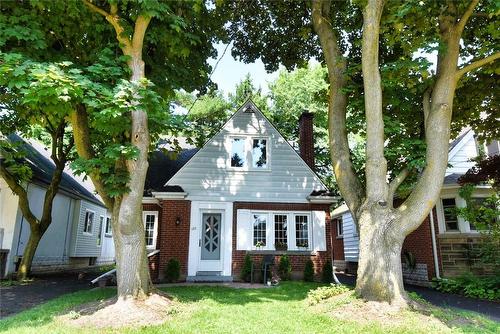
(24, 269)
(379, 268)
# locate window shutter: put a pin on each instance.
(244, 230)
(319, 231)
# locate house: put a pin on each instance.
(246, 191)
(80, 233)
(441, 246)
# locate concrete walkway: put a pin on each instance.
(487, 308)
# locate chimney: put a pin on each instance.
(306, 139)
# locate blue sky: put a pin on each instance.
(230, 72)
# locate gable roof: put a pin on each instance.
(203, 161)
(43, 169)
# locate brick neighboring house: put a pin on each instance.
(441, 246)
(247, 191)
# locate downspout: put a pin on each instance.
(434, 247)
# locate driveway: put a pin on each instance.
(487, 308)
(17, 298)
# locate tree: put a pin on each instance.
(32, 119)
(114, 119)
(380, 55)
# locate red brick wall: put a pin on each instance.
(419, 242)
(298, 260)
(338, 243)
(173, 240)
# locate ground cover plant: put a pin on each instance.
(282, 309)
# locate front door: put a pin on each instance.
(211, 233)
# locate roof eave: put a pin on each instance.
(323, 199)
(169, 195)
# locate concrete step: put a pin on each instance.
(209, 278)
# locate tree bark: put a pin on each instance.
(130, 246)
(24, 269)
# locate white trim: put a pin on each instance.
(339, 221)
(169, 195)
(434, 247)
(460, 144)
(155, 226)
(150, 200)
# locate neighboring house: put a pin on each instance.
(441, 245)
(80, 232)
(247, 191)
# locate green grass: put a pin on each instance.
(203, 309)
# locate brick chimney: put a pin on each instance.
(306, 139)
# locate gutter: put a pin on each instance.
(434, 247)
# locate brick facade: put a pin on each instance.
(297, 258)
(338, 246)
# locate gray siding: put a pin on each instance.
(460, 157)
(209, 175)
(83, 244)
(351, 238)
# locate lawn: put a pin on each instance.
(283, 309)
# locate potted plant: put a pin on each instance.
(260, 244)
(281, 246)
(303, 245)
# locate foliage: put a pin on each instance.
(246, 270)
(245, 90)
(173, 270)
(284, 268)
(471, 286)
(325, 292)
(309, 271)
(486, 170)
(327, 272)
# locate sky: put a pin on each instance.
(230, 72)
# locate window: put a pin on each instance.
(450, 216)
(107, 231)
(302, 231)
(259, 229)
(238, 152)
(340, 228)
(259, 153)
(89, 220)
(150, 228)
(280, 231)
(249, 153)
(99, 232)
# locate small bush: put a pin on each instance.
(246, 271)
(284, 268)
(327, 274)
(173, 270)
(325, 292)
(471, 286)
(309, 271)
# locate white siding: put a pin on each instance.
(108, 246)
(459, 157)
(351, 238)
(209, 175)
(8, 214)
(85, 245)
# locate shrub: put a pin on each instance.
(471, 286)
(173, 270)
(246, 271)
(284, 268)
(327, 274)
(309, 271)
(325, 292)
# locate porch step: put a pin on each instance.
(208, 273)
(206, 277)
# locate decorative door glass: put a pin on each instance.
(210, 241)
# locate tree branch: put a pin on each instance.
(348, 182)
(20, 192)
(376, 164)
(81, 135)
(426, 101)
(395, 183)
(465, 17)
(141, 24)
(477, 64)
(94, 8)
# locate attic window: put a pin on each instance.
(259, 153)
(238, 152)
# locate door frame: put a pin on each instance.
(194, 256)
